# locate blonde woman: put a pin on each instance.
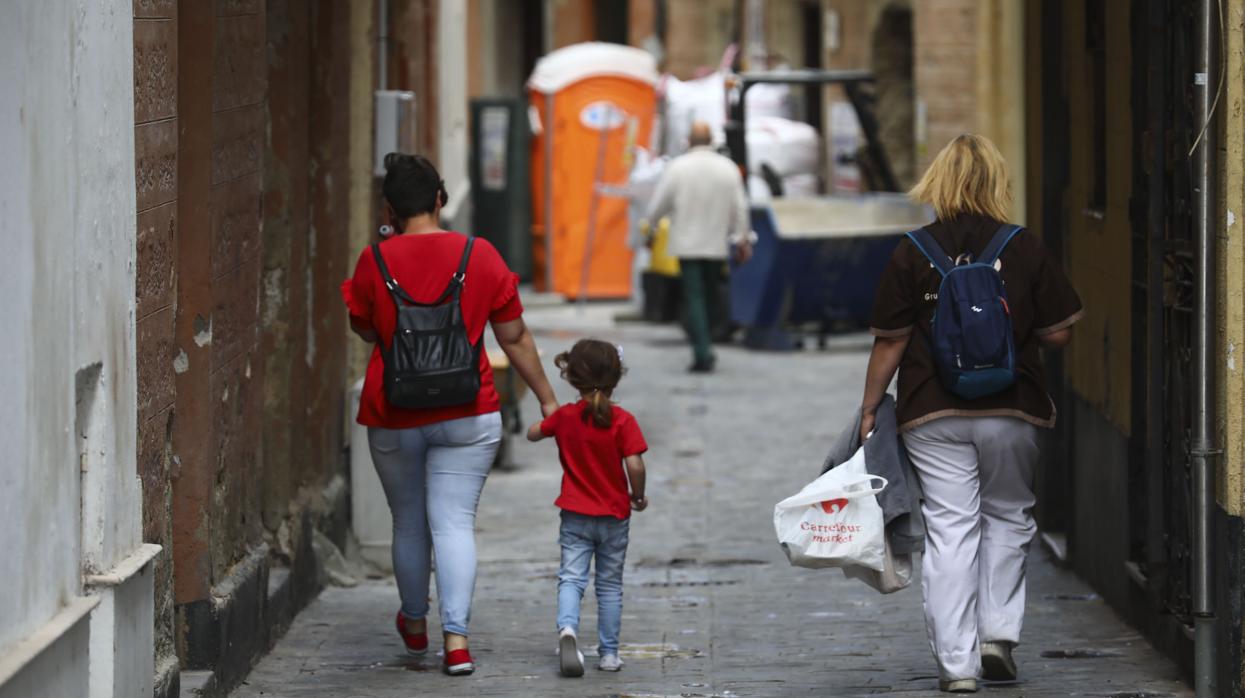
(975, 458)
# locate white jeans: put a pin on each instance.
(977, 474)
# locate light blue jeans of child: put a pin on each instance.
(433, 476)
(582, 538)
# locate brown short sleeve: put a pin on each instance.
(894, 306)
(1056, 305)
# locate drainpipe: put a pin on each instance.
(1203, 450)
(382, 44)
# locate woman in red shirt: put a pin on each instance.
(433, 462)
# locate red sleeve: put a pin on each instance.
(630, 439)
(549, 427)
(357, 291)
(504, 305)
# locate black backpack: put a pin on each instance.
(431, 361)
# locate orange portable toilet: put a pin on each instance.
(591, 104)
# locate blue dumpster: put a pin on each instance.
(817, 261)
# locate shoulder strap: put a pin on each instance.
(455, 289)
(399, 295)
(396, 291)
(462, 263)
(998, 243)
(929, 247)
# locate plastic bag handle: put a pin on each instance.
(847, 491)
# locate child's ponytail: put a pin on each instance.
(600, 410)
(594, 368)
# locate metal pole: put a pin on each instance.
(1203, 448)
(1156, 213)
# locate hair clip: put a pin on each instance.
(385, 231)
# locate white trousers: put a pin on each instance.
(977, 475)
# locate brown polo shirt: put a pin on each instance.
(1041, 299)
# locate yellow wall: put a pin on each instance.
(1000, 112)
(1231, 254)
(1098, 243)
(363, 202)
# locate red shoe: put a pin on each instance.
(459, 663)
(416, 643)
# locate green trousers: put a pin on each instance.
(701, 280)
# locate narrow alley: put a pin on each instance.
(711, 606)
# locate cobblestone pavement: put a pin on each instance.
(711, 607)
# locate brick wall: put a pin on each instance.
(239, 89)
(155, 115)
(413, 63)
(696, 35)
(945, 60)
(242, 181)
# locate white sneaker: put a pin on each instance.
(958, 685)
(571, 658)
(996, 661)
(610, 662)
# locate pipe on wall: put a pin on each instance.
(382, 44)
(1203, 451)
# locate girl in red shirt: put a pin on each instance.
(433, 462)
(600, 446)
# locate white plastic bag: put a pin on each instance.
(835, 521)
(896, 576)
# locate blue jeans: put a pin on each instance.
(433, 476)
(581, 538)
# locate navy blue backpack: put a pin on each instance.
(972, 341)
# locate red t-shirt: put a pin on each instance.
(594, 482)
(423, 266)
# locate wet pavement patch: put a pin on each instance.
(1071, 597)
(684, 562)
(658, 650)
(693, 583)
(1084, 653)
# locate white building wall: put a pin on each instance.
(69, 486)
(38, 186)
(104, 230)
(452, 109)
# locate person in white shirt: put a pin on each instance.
(703, 193)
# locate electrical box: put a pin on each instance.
(395, 125)
(500, 186)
